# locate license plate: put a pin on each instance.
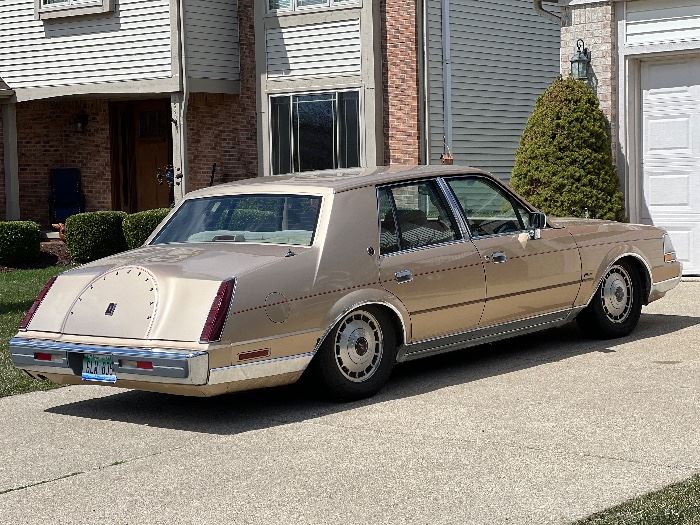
(97, 367)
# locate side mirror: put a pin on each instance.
(537, 222)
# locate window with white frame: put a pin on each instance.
(295, 5)
(315, 131)
(47, 9)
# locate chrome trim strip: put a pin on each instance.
(44, 344)
(260, 369)
(479, 336)
(350, 309)
(426, 247)
(190, 367)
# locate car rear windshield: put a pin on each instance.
(270, 219)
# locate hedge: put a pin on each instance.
(94, 235)
(564, 163)
(20, 242)
(139, 226)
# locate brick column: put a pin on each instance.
(400, 79)
(595, 24)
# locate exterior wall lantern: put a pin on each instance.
(581, 61)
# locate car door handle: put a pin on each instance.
(498, 257)
(403, 276)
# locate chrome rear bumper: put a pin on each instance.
(184, 367)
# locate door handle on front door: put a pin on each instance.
(498, 257)
(403, 276)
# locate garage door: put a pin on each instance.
(671, 162)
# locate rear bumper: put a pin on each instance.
(183, 367)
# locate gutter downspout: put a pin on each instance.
(424, 87)
(446, 75)
(182, 177)
(537, 4)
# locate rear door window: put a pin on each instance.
(413, 216)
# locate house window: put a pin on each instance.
(49, 9)
(295, 5)
(315, 131)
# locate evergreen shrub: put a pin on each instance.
(94, 235)
(139, 226)
(20, 242)
(564, 163)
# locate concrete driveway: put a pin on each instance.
(540, 429)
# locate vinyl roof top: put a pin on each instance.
(338, 181)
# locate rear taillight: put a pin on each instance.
(37, 302)
(218, 313)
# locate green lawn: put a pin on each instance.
(17, 292)
(675, 505)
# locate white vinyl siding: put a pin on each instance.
(326, 49)
(131, 44)
(654, 21)
(504, 55)
(212, 38)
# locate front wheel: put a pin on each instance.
(616, 306)
(357, 357)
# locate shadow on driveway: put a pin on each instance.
(246, 411)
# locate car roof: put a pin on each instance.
(335, 181)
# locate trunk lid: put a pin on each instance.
(155, 292)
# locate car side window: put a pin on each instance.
(388, 236)
(488, 209)
(416, 216)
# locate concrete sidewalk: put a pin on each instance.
(540, 429)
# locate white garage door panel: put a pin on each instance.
(671, 163)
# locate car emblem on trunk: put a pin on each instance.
(110, 309)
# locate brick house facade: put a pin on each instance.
(228, 122)
(595, 24)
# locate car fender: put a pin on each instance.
(364, 297)
(613, 255)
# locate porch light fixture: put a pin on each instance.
(581, 61)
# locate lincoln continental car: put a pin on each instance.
(338, 276)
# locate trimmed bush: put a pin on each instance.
(94, 235)
(564, 163)
(20, 242)
(139, 226)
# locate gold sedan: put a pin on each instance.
(340, 276)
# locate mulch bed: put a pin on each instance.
(53, 253)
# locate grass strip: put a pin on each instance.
(17, 292)
(677, 504)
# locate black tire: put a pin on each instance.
(616, 306)
(357, 356)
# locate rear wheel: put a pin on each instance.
(617, 304)
(357, 357)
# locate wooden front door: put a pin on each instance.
(152, 153)
(142, 148)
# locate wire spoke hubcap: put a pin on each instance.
(617, 294)
(359, 344)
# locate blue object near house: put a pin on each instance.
(66, 194)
